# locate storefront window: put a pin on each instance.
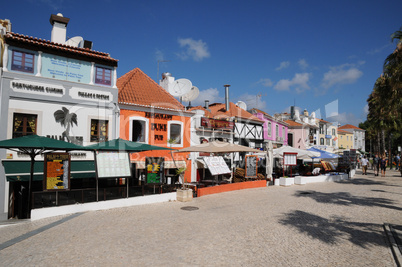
(24, 124)
(103, 76)
(175, 133)
(22, 61)
(321, 141)
(99, 130)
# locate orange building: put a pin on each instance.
(150, 115)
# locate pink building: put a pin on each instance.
(274, 130)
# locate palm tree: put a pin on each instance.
(66, 120)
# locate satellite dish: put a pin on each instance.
(180, 87)
(190, 96)
(76, 41)
(242, 105)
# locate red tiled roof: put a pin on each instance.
(350, 126)
(137, 88)
(293, 123)
(321, 120)
(343, 131)
(12, 37)
(218, 111)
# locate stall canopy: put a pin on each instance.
(34, 145)
(124, 145)
(301, 153)
(218, 147)
(323, 154)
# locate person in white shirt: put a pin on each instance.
(364, 165)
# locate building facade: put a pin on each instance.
(274, 130)
(358, 136)
(150, 115)
(345, 139)
(59, 89)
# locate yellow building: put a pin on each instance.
(345, 139)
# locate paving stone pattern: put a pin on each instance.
(321, 224)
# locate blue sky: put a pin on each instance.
(324, 56)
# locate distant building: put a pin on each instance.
(358, 136)
(275, 130)
(345, 139)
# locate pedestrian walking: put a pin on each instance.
(376, 165)
(364, 165)
(397, 160)
(383, 166)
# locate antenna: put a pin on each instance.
(191, 95)
(157, 73)
(180, 87)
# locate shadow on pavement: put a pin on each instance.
(346, 199)
(335, 229)
(363, 181)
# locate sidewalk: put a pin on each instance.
(320, 224)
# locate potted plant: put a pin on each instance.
(183, 194)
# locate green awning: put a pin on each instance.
(18, 170)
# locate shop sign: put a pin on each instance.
(22, 86)
(159, 129)
(154, 170)
(57, 171)
(91, 95)
(251, 166)
(216, 165)
(328, 136)
(216, 124)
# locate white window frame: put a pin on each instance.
(146, 128)
(181, 134)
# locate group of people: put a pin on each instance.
(379, 163)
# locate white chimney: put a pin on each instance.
(59, 30)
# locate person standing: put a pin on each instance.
(376, 165)
(383, 166)
(364, 165)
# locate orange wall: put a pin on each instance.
(157, 136)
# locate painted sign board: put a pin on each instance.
(154, 170)
(57, 171)
(216, 165)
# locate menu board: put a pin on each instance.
(155, 170)
(57, 171)
(216, 165)
(251, 166)
(112, 164)
(290, 159)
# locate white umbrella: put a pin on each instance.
(270, 160)
(218, 147)
(301, 153)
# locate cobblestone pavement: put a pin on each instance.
(321, 224)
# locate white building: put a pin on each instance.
(61, 89)
(358, 136)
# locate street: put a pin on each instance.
(321, 224)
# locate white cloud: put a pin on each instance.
(345, 118)
(303, 63)
(265, 82)
(252, 101)
(197, 50)
(299, 82)
(366, 110)
(283, 65)
(344, 74)
(211, 94)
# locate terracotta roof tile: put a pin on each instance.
(293, 123)
(137, 88)
(350, 126)
(343, 132)
(218, 111)
(29, 40)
